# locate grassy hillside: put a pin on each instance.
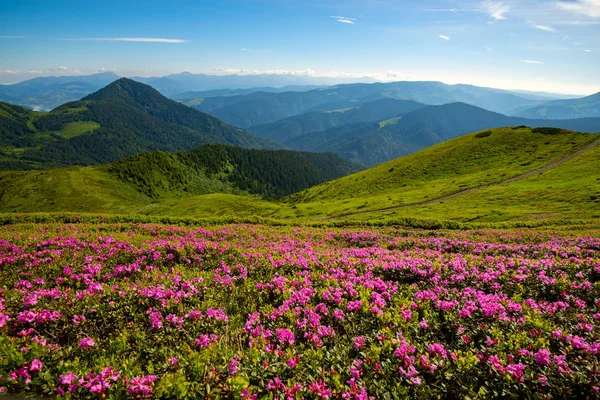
(147, 179)
(122, 119)
(473, 160)
(569, 191)
(395, 190)
(220, 168)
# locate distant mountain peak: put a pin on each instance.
(126, 89)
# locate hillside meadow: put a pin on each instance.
(507, 175)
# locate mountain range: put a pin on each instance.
(122, 119)
(259, 108)
(399, 132)
(47, 93)
(44, 94)
(585, 107)
(177, 83)
(318, 121)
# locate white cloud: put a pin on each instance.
(544, 28)
(589, 51)
(63, 68)
(531, 62)
(444, 37)
(139, 39)
(590, 8)
(495, 9)
(343, 20)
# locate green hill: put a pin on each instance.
(374, 143)
(122, 119)
(570, 191)
(471, 161)
(149, 180)
(504, 174)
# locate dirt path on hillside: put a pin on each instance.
(526, 175)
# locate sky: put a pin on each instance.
(539, 45)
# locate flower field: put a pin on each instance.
(246, 311)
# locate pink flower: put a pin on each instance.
(320, 389)
(68, 379)
(233, 366)
(338, 314)
(424, 324)
(359, 342)
(36, 365)
(285, 336)
(406, 314)
(542, 357)
(245, 395)
(4, 318)
(439, 349)
(517, 371)
(141, 386)
(86, 342)
(293, 362)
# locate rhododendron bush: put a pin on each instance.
(245, 311)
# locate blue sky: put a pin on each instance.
(546, 45)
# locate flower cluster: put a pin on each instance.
(246, 311)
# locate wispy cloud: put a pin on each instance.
(489, 49)
(451, 10)
(257, 50)
(343, 20)
(12, 37)
(444, 37)
(495, 9)
(531, 62)
(544, 28)
(590, 8)
(137, 39)
(589, 51)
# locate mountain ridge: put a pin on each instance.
(122, 119)
(372, 143)
(585, 107)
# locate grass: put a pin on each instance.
(194, 102)
(79, 128)
(447, 168)
(341, 110)
(83, 189)
(570, 191)
(391, 121)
